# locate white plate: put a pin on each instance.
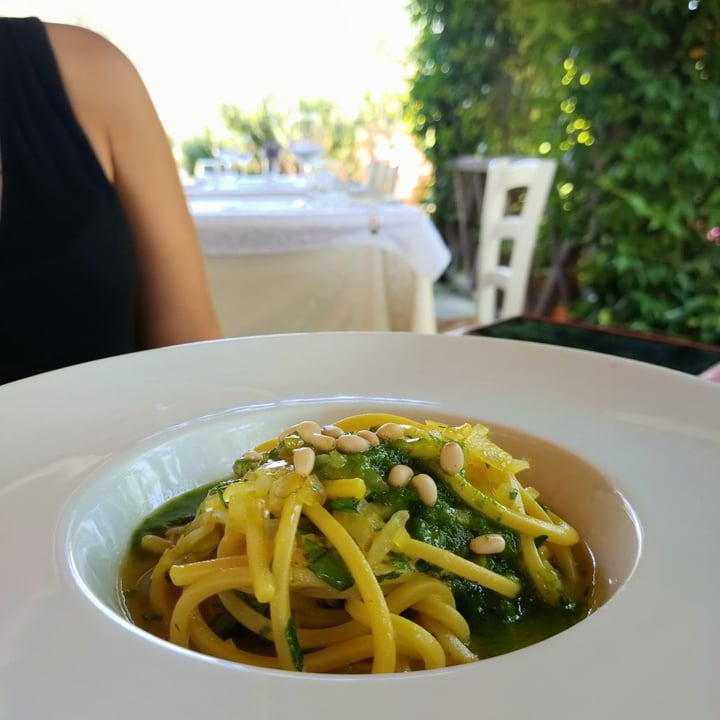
(79, 445)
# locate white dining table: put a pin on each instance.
(233, 185)
(302, 261)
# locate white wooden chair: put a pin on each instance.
(381, 180)
(507, 235)
(468, 177)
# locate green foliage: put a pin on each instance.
(262, 126)
(461, 99)
(195, 148)
(626, 95)
(341, 137)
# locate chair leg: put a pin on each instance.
(462, 229)
(478, 181)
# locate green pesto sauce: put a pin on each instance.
(176, 512)
(498, 624)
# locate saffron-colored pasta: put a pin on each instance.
(339, 565)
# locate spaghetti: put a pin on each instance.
(378, 544)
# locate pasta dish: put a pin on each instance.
(375, 544)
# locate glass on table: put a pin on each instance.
(306, 141)
(242, 148)
(208, 170)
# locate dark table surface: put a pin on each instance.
(689, 357)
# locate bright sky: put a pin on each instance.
(196, 56)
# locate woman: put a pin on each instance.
(99, 255)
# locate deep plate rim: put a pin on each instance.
(629, 395)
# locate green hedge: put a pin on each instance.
(626, 95)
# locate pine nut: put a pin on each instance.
(390, 431)
(426, 488)
(452, 459)
(252, 455)
(332, 431)
(400, 475)
(370, 436)
(307, 428)
(303, 460)
(352, 444)
(287, 431)
(323, 443)
(487, 544)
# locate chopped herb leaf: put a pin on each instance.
(539, 540)
(328, 565)
(296, 652)
(252, 601)
(348, 505)
(388, 576)
(223, 625)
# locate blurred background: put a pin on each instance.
(624, 94)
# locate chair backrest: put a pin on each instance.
(381, 179)
(508, 234)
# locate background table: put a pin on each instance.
(232, 185)
(681, 355)
(319, 262)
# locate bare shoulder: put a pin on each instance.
(103, 86)
(99, 77)
(84, 51)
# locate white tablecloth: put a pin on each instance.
(271, 225)
(300, 263)
(235, 186)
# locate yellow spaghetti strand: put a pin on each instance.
(341, 655)
(194, 594)
(417, 588)
(206, 641)
(566, 562)
(345, 487)
(423, 643)
(232, 542)
(194, 544)
(492, 509)
(515, 500)
(257, 550)
(456, 651)
(410, 635)
(363, 421)
(366, 582)
(433, 597)
(445, 614)
(189, 573)
(567, 566)
(455, 564)
(280, 616)
(160, 592)
(248, 617)
(307, 637)
(323, 637)
(383, 540)
(543, 574)
(316, 617)
(155, 544)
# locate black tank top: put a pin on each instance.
(68, 269)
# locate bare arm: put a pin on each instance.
(118, 116)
